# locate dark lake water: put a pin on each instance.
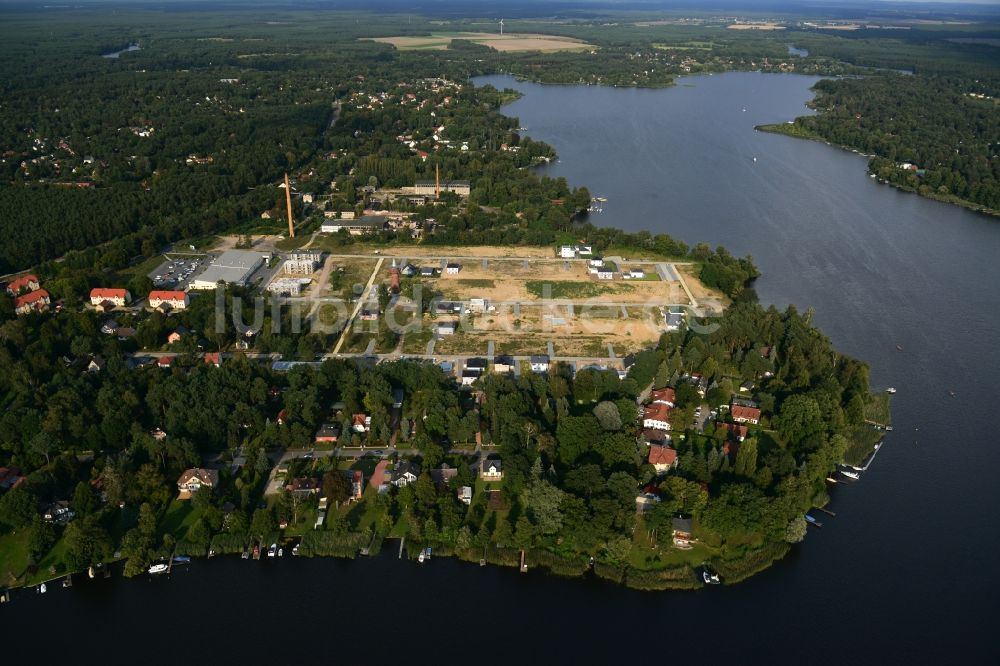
(905, 573)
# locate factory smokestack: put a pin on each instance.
(288, 203)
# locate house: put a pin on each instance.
(655, 416)
(446, 328)
(215, 358)
(635, 274)
(666, 396)
(595, 262)
(682, 532)
(369, 315)
(427, 271)
(168, 300)
(405, 473)
(10, 477)
(120, 297)
(652, 436)
(490, 470)
(361, 422)
(673, 320)
(165, 361)
(282, 417)
(479, 305)
(646, 501)
(59, 513)
(409, 270)
(567, 252)
(176, 335)
(747, 386)
(742, 414)
(604, 273)
(22, 284)
(357, 479)
(327, 433)
(196, 478)
(397, 398)
(465, 494)
(453, 269)
(539, 363)
(96, 364)
(447, 307)
(443, 475)
(110, 327)
(477, 365)
(503, 363)
(662, 458)
(737, 430)
(125, 333)
(468, 377)
(33, 301)
(585, 250)
(303, 486)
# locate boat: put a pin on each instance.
(890, 390)
(281, 552)
(850, 475)
(245, 555)
(42, 589)
(420, 557)
(90, 571)
(256, 552)
(158, 568)
(709, 577)
(755, 159)
(295, 549)
(812, 521)
(273, 550)
(899, 348)
(67, 581)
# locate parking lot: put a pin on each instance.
(178, 270)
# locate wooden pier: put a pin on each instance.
(826, 511)
(524, 567)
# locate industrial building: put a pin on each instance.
(358, 227)
(430, 188)
(232, 267)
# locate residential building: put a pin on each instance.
(33, 301)
(427, 271)
(567, 252)
(361, 422)
(477, 364)
(667, 396)
(96, 364)
(673, 320)
(304, 486)
(397, 398)
(196, 478)
(479, 305)
(468, 377)
(652, 436)
(165, 361)
(214, 358)
(737, 430)
(682, 532)
(465, 494)
(655, 416)
(646, 501)
(453, 269)
(327, 433)
(662, 458)
(24, 283)
(743, 414)
(110, 327)
(175, 300)
(177, 335)
(539, 363)
(10, 477)
(634, 274)
(119, 297)
(357, 479)
(595, 262)
(443, 475)
(405, 473)
(446, 328)
(503, 363)
(604, 273)
(491, 470)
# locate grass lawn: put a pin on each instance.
(13, 555)
(55, 557)
(667, 554)
(569, 289)
(178, 518)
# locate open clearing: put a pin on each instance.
(508, 42)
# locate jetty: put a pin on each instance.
(524, 566)
(826, 511)
(401, 542)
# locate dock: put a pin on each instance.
(401, 542)
(826, 511)
(524, 567)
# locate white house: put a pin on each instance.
(196, 478)
(584, 250)
(465, 494)
(447, 328)
(567, 252)
(453, 269)
(596, 262)
(490, 470)
(177, 300)
(655, 416)
(120, 297)
(539, 363)
(479, 305)
(605, 274)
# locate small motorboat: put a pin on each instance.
(42, 589)
(890, 390)
(295, 549)
(281, 552)
(158, 568)
(245, 555)
(710, 578)
(850, 475)
(273, 550)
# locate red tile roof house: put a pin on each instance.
(667, 396)
(737, 430)
(662, 458)
(743, 414)
(165, 361)
(361, 422)
(23, 283)
(177, 300)
(655, 416)
(35, 301)
(120, 297)
(194, 479)
(215, 358)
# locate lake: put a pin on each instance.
(903, 574)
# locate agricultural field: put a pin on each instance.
(508, 43)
